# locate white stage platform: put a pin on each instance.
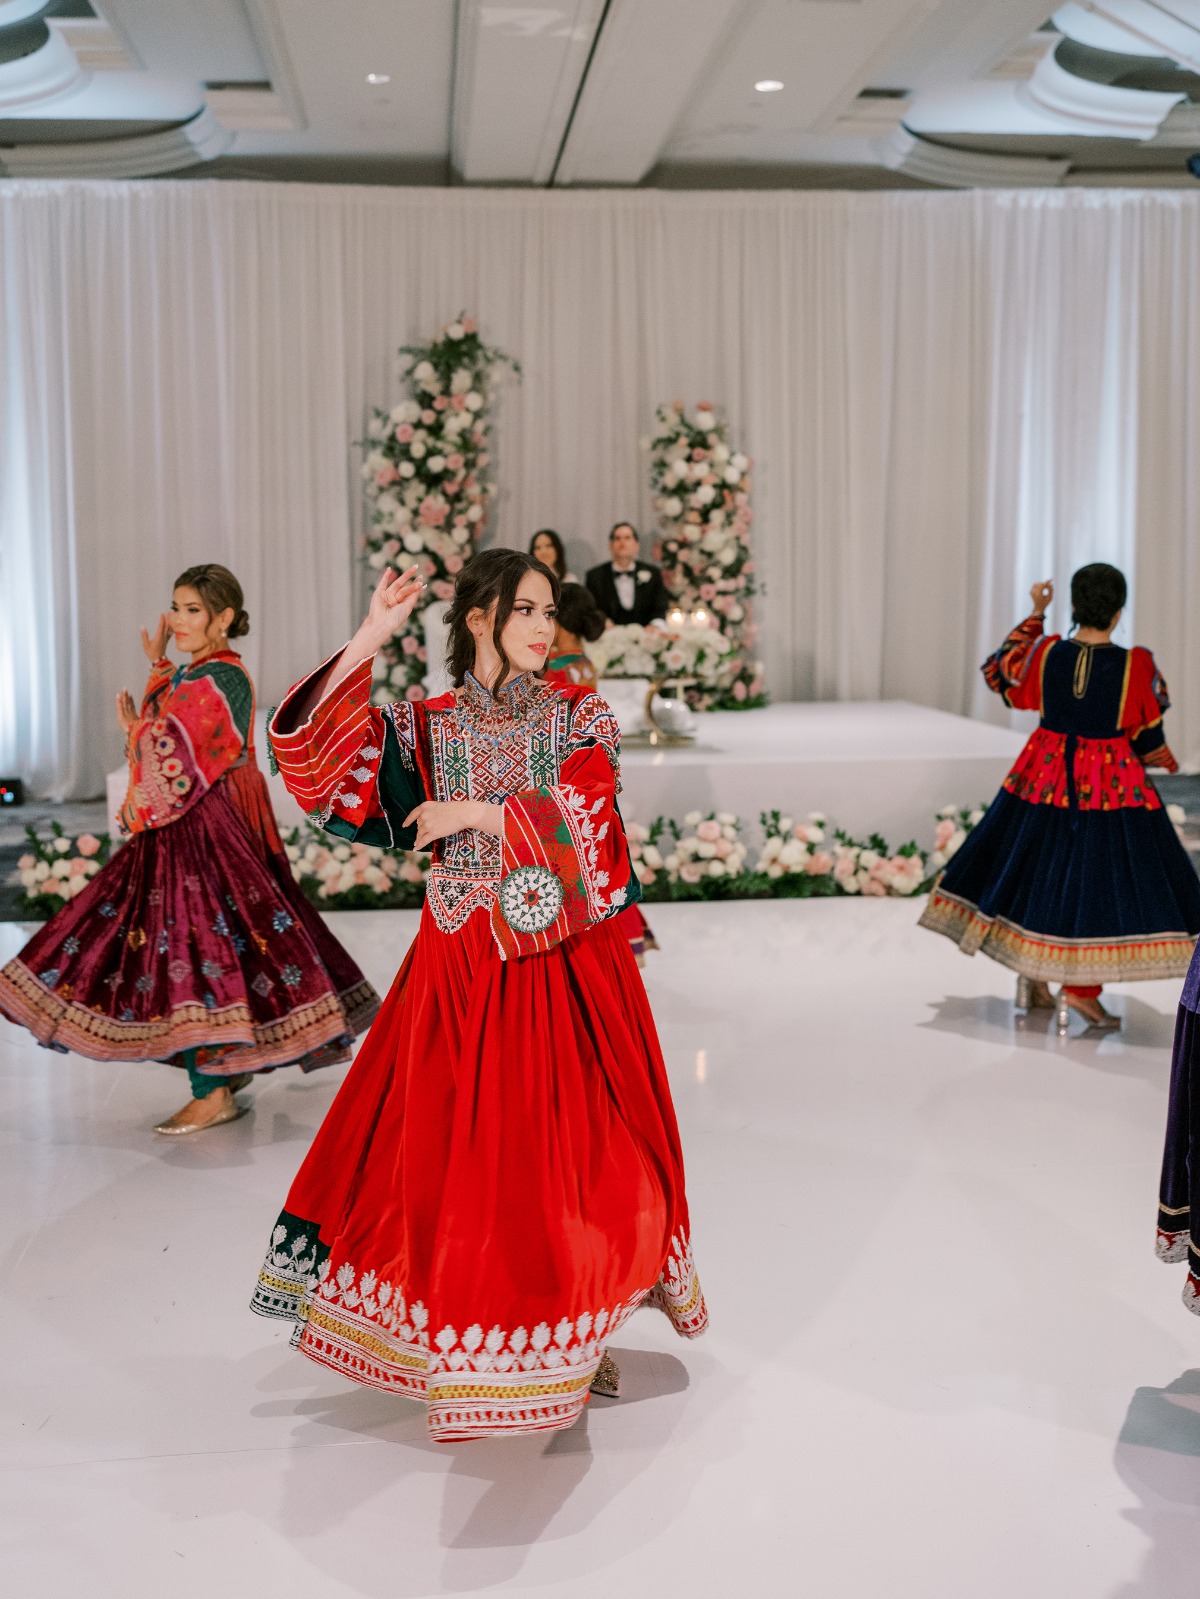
(943, 1361)
(885, 765)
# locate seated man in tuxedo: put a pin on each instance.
(626, 589)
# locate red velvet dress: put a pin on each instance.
(498, 1184)
(195, 936)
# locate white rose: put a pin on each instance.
(474, 401)
(732, 475)
(673, 506)
(340, 852)
(721, 454)
(741, 461)
(398, 413)
(423, 370)
(28, 878)
(718, 868)
(461, 535)
(705, 494)
(75, 885)
(375, 428)
(474, 513)
(413, 543)
(416, 449)
(406, 469)
(693, 819)
(455, 330)
(460, 383)
(652, 857)
(62, 846)
(436, 463)
(706, 851)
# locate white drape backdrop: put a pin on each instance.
(947, 395)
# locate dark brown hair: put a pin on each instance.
(1098, 592)
(490, 578)
(220, 591)
(578, 612)
(624, 523)
(560, 555)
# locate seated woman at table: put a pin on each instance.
(1075, 872)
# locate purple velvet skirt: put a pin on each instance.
(193, 937)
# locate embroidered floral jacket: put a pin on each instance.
(549, 755)
(195, 725)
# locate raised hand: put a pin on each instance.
(156, 646)
(392, 603)
(1041, 594)
(436, 819)
(127, 711)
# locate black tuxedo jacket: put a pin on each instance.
(650, 597)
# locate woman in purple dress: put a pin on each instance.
(193, 945)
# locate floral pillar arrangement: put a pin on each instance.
(428, 483)
(701, 493)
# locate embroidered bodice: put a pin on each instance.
(548, 754)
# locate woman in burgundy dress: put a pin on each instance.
(498, 1184)
(194, 944)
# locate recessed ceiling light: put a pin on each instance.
(386, 77)
(768, 85)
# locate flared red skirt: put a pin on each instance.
(496, 1188)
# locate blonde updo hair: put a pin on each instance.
(220, 591)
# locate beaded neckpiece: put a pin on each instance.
(493, 714)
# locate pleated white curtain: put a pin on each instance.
(947, 396)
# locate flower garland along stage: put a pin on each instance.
(428, 483)
(55, 869)
(704, 857)
(701, 493)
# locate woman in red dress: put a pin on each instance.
(193, 945)
(499, 1182)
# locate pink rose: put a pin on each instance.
(454, 563)
(708, 592)
(468, 324)
(26, 863)
(708, 832)
(691, 871)
(78, 866)
(724, 849)
(646, 874)
(385, 475)
(441, 403)
(434, 510)
(414, 692)
(943, 833)
(428, 417)
(874, 887)
(409, 644)
(404, 432)
(739, 690)
(442, 591)
(459, 402)
(844, 868)
(422, 653)
(87, 844)
(819, 864)
(455, 462)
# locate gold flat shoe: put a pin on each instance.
(607, 1381)
(173, 1129)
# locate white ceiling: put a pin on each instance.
(612, 92)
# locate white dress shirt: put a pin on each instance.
(626, 586)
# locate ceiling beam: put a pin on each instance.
(646, 63)
(517, 72)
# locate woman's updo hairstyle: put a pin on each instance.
(578, 612)
(490, 578)
(1098, 592)
(220, 591)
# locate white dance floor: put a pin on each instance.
(943, 1362)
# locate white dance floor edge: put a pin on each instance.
(943, 1362)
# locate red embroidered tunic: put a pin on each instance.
(499, 1183)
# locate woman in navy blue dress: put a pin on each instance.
(1075, 873)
